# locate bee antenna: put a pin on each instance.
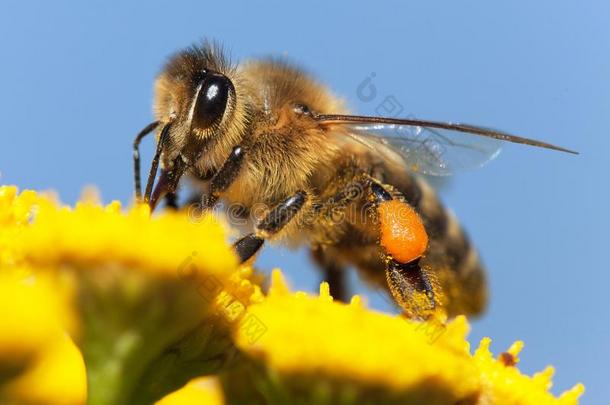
(136, 155)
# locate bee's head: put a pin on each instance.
(196, 93)
(197, 107)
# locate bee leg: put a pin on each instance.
(404, 273)
(247, 246)
(224, 177)
(403, 279)
(334, 274)
(272, 223)
(136, 156)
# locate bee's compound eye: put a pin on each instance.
(211, 100)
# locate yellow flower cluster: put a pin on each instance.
(147, 294)
(377, 357)
(102, 306)
(15, 212)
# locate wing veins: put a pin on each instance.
(471, 129)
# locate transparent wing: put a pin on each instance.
(436, 152)
(429, 147)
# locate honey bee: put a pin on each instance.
(265, 133)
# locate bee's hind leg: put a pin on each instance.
(404, 273)
(402, 238)
(272, 223)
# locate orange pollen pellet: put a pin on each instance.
(403, 235)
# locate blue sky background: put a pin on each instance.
(76, 85)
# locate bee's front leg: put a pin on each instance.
(272, 223)
(220, 181)
(224, 177)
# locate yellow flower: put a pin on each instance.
(502, 383)
(57, 377)
(322, 352)
(15, 212)
(91, 235)
(151, 303)
(155, 297)
(39, 364)
(202, 391)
